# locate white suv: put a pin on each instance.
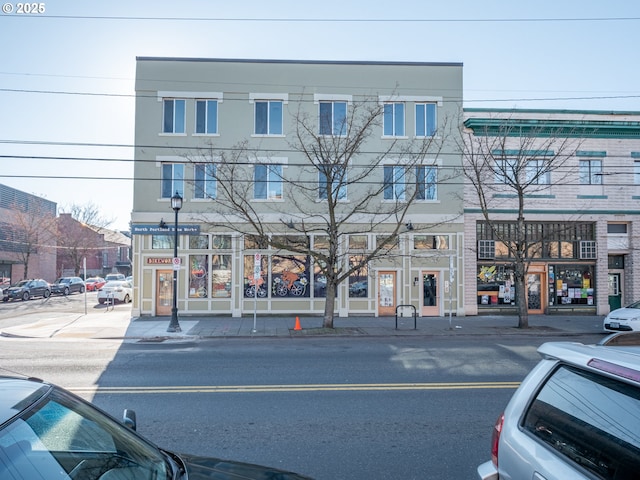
(575, 416)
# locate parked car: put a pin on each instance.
(94, 283)
(117, 290)
(68, 285)
(114, 276)
(27, 289)
(625, 319)
(576, 415)
(48, 433)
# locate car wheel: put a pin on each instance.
(46, 294)
(127, 299)
(101, 301)
(25, 296)
(66, 291)
(81, 289)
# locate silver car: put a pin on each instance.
(625, 319)
(575, 416)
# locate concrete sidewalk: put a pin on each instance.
(118, 324)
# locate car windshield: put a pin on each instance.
(63, 280)
(63, 438)
(22, 283)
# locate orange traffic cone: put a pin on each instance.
(297, 327)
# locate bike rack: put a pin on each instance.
(415, 315)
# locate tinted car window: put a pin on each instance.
(591, 420)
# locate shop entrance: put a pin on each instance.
(386, 294)
(615, 291)
(164, 292)
(430, 294)
(536, 288)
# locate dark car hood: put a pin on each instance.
(208, 468)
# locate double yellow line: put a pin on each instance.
(336, 387)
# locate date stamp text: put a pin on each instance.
(33, 8)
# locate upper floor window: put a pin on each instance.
(506, 170)
(394, 182)
(333, 118)
(590, 172)
(426, 182)
(173, 115)
(537, 172)
(172, 179)
(337, 184)
(205, 180)
(426, 119)
(393, 120)
(268, 117)
(267, 182)
(636, 172)
(207, 116)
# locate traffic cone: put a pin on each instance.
(297, 327)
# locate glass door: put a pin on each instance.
(430, 295)
(164, 292)
(386, 294)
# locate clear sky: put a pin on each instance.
(67, 75)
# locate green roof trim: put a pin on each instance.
(587, 153)
(592, 197)
(546, 128)
(635, 154)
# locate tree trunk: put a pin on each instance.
(329, 304)
(521, 300)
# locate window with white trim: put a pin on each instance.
(336, 184)
(426, 119)
(207, 117)
(172, 179)
(395, 186)
(268, 117)
(590, 172)
(333, 118)
(393, 119)
(506, 170)
(173, 115)
(267, 182)
(204, 185)
(537, 172)
(427, 182)
(636, 172)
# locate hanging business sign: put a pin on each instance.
(155, 229)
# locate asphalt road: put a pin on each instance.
(348, 408)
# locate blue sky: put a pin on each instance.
(67, 75)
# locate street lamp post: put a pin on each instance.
(174, 325)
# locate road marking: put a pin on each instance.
(297, 388)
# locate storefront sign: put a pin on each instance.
(159, 261)
(167, 230)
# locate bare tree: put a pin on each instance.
(506, 169)
(78, 234)
(32, 231)
(327, 168)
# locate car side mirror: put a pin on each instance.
(129, 419)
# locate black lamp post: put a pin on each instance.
(174, 326)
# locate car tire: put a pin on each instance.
(101, 301)
(81, 289)
(46, 294)
(26, 296)
(126, 299)
(66, 291)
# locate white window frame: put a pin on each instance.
(273, 178)
(177, 176)
(424, 186)
(486, 249)
(505, 170)
(207, 120)
(398, 182)
(588, 250)
(342, 188)
(397, 127)
(269, 98)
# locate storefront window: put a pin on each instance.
(431, 242)
(290, 276)
(358, 280)
(496, 285)
(162, 242)
(221, 242)
(319, 283)
(221, 276)
(199, 242)
(198, 268)
(574, 284)
(250, 282)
